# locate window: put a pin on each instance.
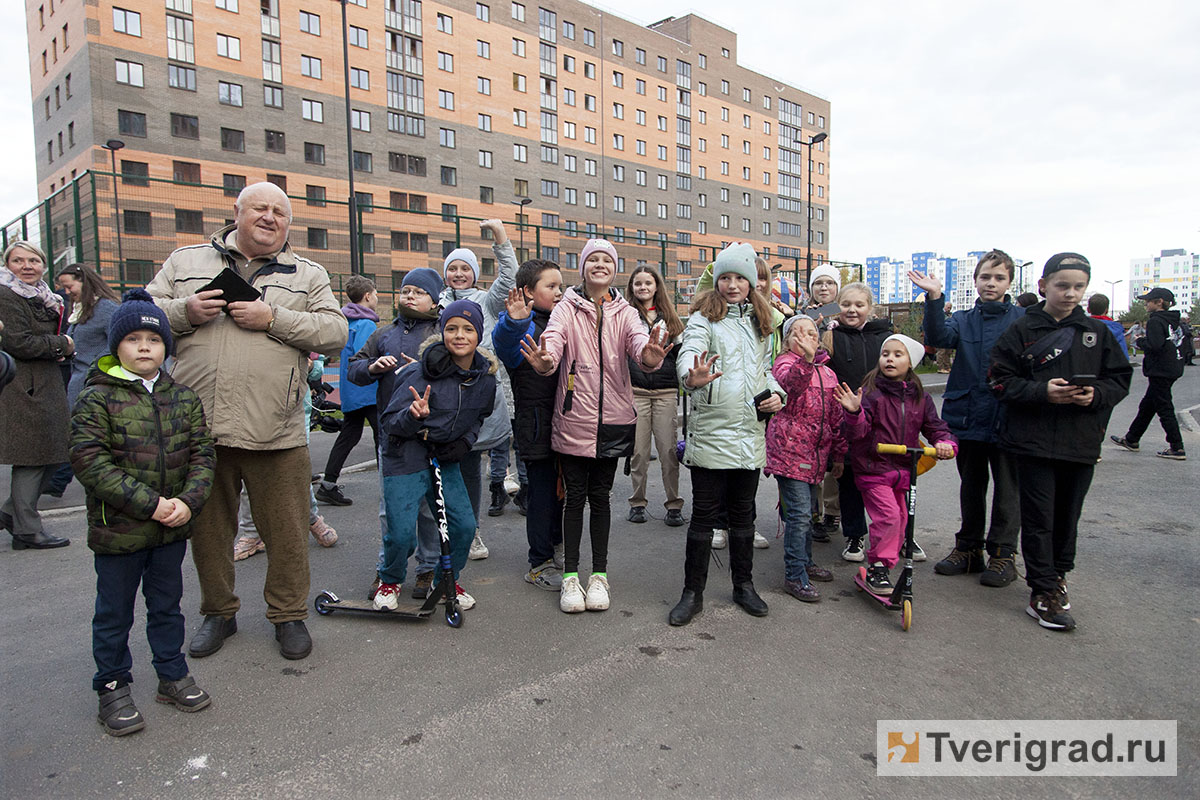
(135, 173)
(312, 110)
(618, 79)
(360, 79)
(445, 23)
(185, 126)
(746, 146)
(445, 99)
(519, 117)
(571, 198)
(181, 77)
(276, 142)
(589, 37)
(724, 221)
(137, 223)
(640, 208)
(569, 63)
(314, 153)
(130, 72)
(518, 12)
(568, 29)
(180, 44)
(702, 117)
(318, 239)
(233, 184)
(272, 61)
(485, 122)
(589, 102)
(229, 47)
(520, 153)
(229, 94)
(273, 96)
(568, 130)
(521, 187)
(641, 147)
(589, 134)
(233, 140)
(549, 188)
(662, 210)
(483, 49)
(589, 199)
(618, 48)
(618, 141)
(446, 137)
(483, 12)
(589, 70)
(518, 47)
(188, 221)
(445, 62)
(662, 94)
(449, 212)
(360, 120)
(485, 159)
(619, 204)
(662, 152)
(483, 85)
(310, 23)
(820, 122)
(418, 242)
(449, 176)
(569, 163)
(745, 120)
(589, 167)
(618, 172)
(518, 82)
(358, 37)
(128, 22)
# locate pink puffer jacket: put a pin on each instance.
(807, 434)
(594, 414)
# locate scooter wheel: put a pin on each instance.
(321, 604)
(454, 618)
(906, 614)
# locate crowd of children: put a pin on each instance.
(595, 376)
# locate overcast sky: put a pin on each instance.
(1034, 126)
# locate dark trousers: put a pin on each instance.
(854, 516)
(586, 480)
(719, 494)
(1157, 400)
(348, 437)
(543, 520)
(976, 461)
(159, 571)
(1052, 494)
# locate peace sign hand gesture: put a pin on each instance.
(701, 374)
(420, 405)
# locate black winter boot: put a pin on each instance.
(695, 576)
(521, 499)
(499, 499)
(741, 566)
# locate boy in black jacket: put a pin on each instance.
(1163, 345)
(1059, 374)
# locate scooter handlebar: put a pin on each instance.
(899, 449)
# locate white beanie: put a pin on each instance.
(461, 254)
(737, 258)
(916, 350)
(825, 271)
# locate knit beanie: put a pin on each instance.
(461, 254)
(825, 271)
(1073, 261)
(466, 309)
(792, 320)
(916, 350)
(739, 259)
(597, 246)
(138, 312)
(424, 278)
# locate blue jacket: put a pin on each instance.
(969, 406)
(401, 337)
(533, 394)
(354, 396)
(1118, 332)
(459, 399)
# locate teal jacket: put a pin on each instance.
(129, 448)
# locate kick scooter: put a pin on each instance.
(445, 591)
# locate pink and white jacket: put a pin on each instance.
(806, 435)
(594, 414)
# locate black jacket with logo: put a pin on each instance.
(1036, 348)
(1163, 345)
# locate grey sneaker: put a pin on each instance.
(1121, 441)
(546, 576)
(1173, 453)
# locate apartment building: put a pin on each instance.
(1177, 270)
(655, 136)
(888, 277)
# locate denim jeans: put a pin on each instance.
(795, 501)
(498, 462)
(402, 494)
(159, 571)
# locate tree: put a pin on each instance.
(1194, 315)
(1137, 313)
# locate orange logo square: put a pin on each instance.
(904, 747)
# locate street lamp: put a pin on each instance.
(352, 205)
(1022, 267)
(1112, 285)
(520, 203)
(112, 146)
(820, 137)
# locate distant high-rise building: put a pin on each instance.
(889, 280)
(1177, 270)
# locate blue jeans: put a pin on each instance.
(498, 462)
(402, 495)
(795, 503)
(159, 572)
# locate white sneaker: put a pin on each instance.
(479, 550)
(720, 535)
(511, 484)
(559, 559)
(386, 597)
(918, 554)
(597, 593)
(760, 541)
(465, 601)
(570, 597)
(854, 550)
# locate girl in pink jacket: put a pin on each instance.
(590, 334)
(804, 440)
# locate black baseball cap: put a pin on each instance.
(1159, 293)
(1066, 261)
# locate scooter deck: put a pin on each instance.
(327, 602)
(860, 580)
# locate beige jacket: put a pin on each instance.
(251, 383)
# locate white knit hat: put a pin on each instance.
(916, 350)
(825, 271)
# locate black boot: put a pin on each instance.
(695, 576)
(741, 566)
(499, 499)
(521, 499)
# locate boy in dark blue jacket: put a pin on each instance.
(436, 410)
(539, 288)
(972, 412)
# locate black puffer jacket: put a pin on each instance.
(662, 378)
(1035, 349)
(856, 350)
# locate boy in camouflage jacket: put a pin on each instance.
(142, 450)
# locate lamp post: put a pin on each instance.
(1022, 267)
(820, 137)
(352, 205)
(112, 146)
(520, 203)
(1112, 285)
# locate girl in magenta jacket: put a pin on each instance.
(804, 441)
(894, 410)
(590, 334)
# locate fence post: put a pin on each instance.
(95, 221)
(537, 242)
(78, 221)
(48, 236)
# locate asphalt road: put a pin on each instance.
(527, 701)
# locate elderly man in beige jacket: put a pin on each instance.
(248, 362)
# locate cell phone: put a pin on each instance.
(1083, 380)
(758, 398)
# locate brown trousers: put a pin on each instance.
(656, 415)
(277, 482)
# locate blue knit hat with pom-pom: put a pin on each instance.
(138, 312)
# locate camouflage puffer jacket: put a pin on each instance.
(129, 448)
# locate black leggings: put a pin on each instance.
(586, 480)
(348, 437)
